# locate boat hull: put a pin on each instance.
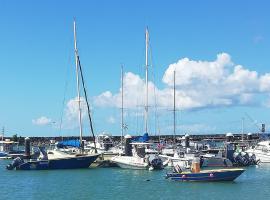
(130, 166)
(207, 175)
(64, 163)
(129, 162)
(262, 157)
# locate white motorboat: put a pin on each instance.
(136, 158)
(261, 151)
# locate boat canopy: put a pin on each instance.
(69, 143)
(144, 138)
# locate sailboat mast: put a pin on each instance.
(78, 82)
(122, 105)
(174, 110)
(146, 79)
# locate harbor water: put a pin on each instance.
(116, 183)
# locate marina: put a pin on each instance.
(134, 100)
(127, 184)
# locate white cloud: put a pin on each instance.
(111, 120)
(42, 121)
(71, 113)
(199, 84)
(72, 108)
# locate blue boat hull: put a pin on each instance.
(226, 175)
(65, 163)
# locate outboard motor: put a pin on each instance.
(15, 163)
(155, 162)
(128, 146)
(27, 148)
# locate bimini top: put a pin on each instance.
(144, 138)
(69, 143)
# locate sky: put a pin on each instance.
(218, 49)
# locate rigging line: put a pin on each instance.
(88, 108)
(64, 99)
(154, 80)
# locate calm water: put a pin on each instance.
(108, 183)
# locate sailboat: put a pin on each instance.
(59, 159)
(135, 155)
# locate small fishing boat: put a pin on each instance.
(135, 157)
(207, 175)
(196, 174)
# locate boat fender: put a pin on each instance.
(211, 175)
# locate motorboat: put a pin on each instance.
(261, 151)
(206, 175)
(136, 158)
(9, 149)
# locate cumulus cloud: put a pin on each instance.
(42, 121)
(71, 112)
(199, 84)
(111, 120)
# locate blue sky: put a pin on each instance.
(37, 68)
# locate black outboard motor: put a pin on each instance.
(155, 162)
(15, 163)
(128, 146)
(27, 148)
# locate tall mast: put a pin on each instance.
(122, 105)
(174, 118)
(78, 82)
(146, 79)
